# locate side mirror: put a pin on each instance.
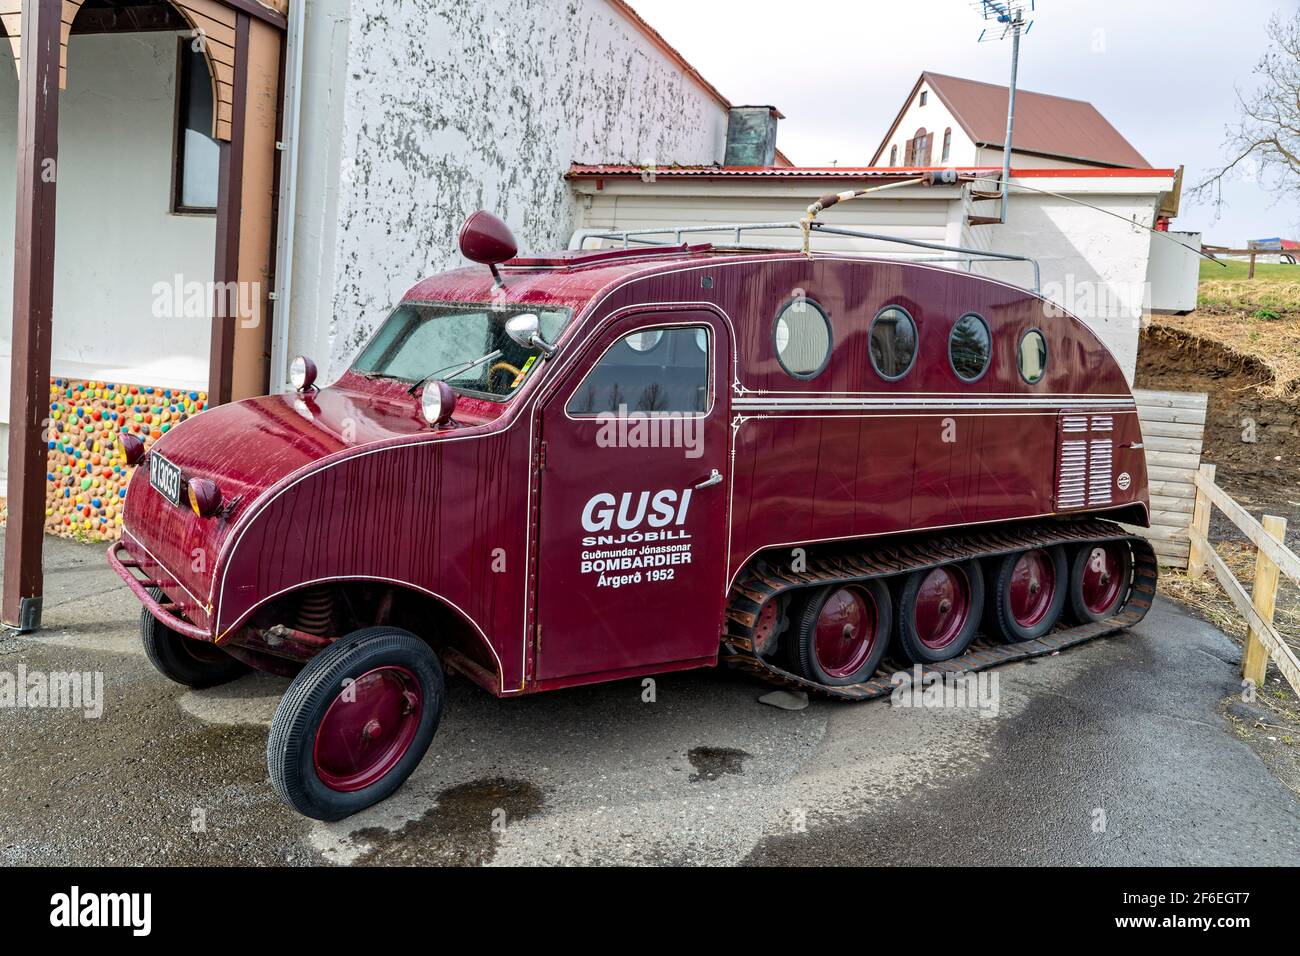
(485, 238)
(525, 330)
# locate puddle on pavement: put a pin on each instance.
(462, 829)
(710, 763)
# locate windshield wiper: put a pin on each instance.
(456, 369)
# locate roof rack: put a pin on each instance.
(968, 256)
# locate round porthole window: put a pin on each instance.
(803, 338)
(969, 347)
(644, 341)
(1033, 356)
(893, 343)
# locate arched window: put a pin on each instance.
(918, 149)
(947, 144)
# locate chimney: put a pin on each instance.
(751, 136)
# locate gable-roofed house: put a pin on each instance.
(951, 121)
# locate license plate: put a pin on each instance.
(165, 478)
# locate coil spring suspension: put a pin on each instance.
(316, 611)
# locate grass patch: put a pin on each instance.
(1238, 269)
(1274, 291)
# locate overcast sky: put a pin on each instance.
(1162, 71)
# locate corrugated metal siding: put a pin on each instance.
(922, 219)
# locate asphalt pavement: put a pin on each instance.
(1111, 753)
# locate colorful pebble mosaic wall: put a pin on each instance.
(87, 475)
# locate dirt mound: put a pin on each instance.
(1242, 405)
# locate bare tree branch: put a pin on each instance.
(1264, 142)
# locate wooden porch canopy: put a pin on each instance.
(213, 20)
(243, 45)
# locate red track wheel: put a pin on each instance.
(1029, 592)
(1099, 580)
(939, 610)
(355, 722)
(843, 633)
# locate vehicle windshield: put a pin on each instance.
(420, 338)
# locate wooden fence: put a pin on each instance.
(1272, 557)
(1173, 424)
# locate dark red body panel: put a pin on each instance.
(350, 483)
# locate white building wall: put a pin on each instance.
(115, 236)
(622, 204)
(935, 117)
(442, 107)
(1091, 264)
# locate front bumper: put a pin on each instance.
(168, 613)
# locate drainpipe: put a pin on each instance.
(294, 42)
(1011, 111)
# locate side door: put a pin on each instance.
(634, 498)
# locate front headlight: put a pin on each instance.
(438, 402)
(302, 373)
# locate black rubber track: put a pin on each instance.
(765, 580)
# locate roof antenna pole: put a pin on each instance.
(1011, 14)
(1011, 112)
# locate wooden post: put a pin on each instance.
(38, 152)
(230, 198)
(1200, 525)
(1263, 595)
(1252, 266)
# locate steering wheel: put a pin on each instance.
(503, 367)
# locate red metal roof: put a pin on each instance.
(619, 170)
(1045, 125)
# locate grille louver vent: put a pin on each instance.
(1072, 476)
(1085, 470)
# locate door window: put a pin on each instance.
(650, 370)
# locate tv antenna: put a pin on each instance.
(1009, 20)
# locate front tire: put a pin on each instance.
(355, 723)
(939, 611)
(182, 659)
